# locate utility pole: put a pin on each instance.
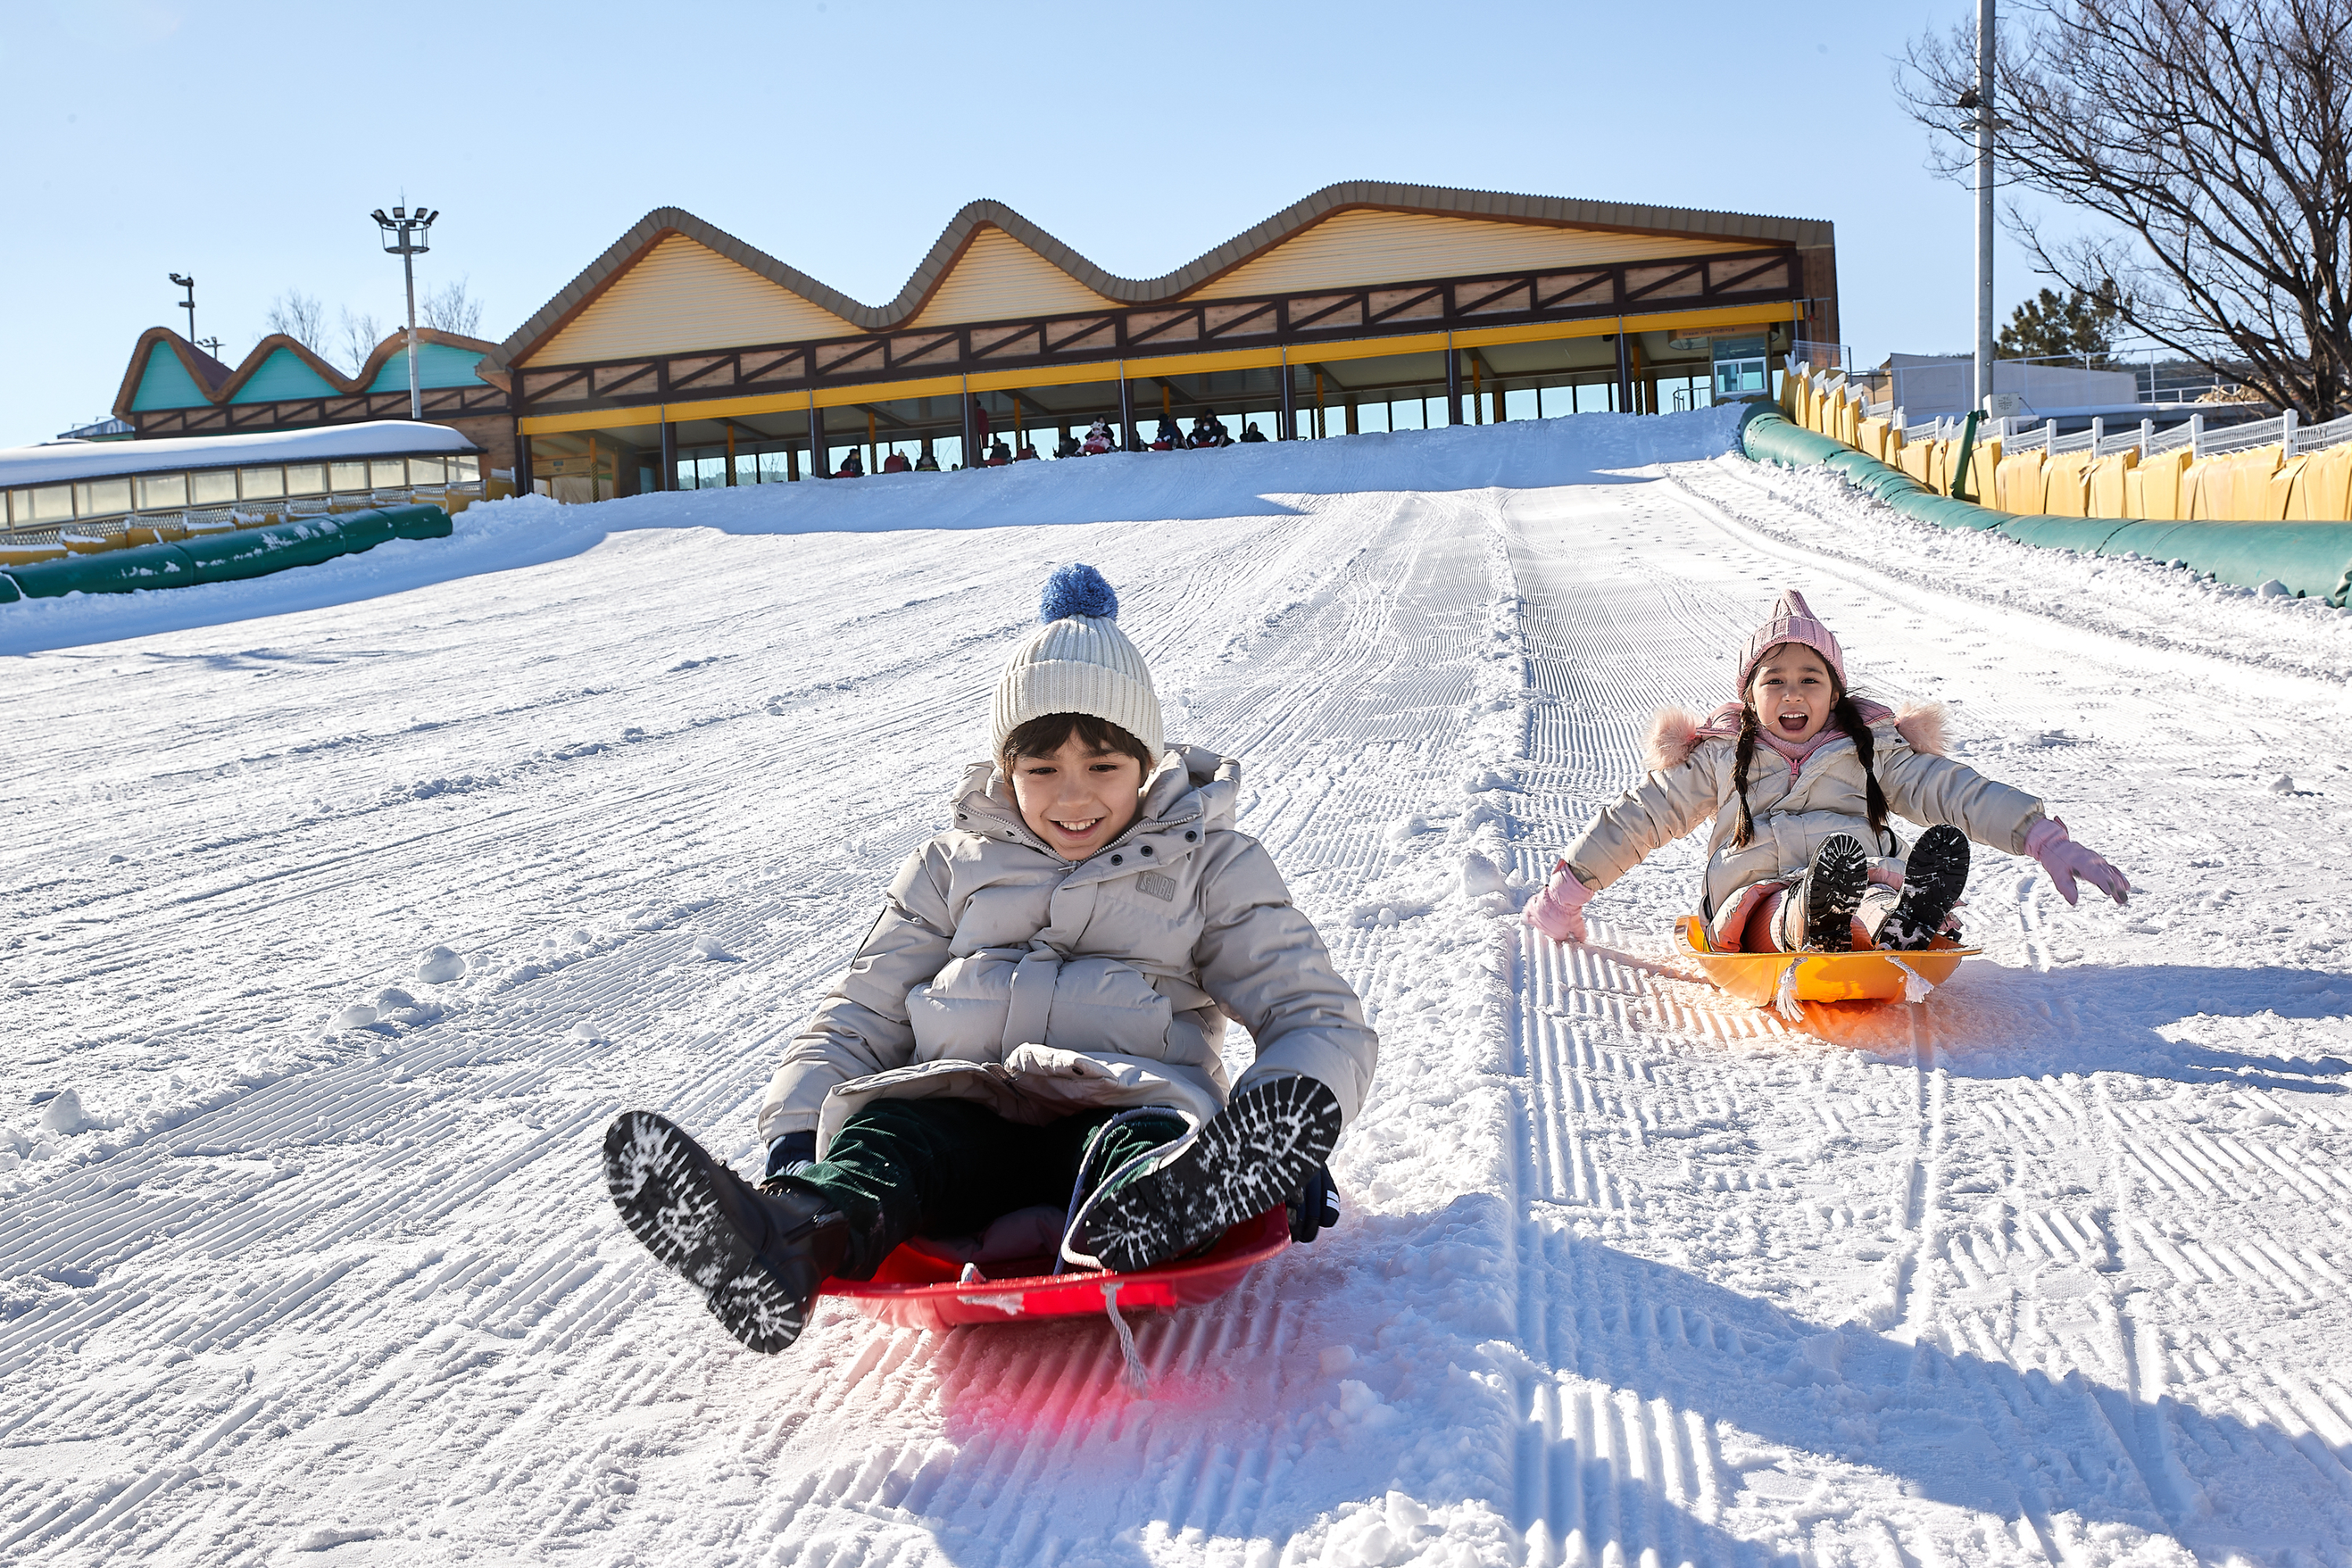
(1984, 200)
(405, 234)
(189, 304)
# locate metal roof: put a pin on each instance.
(1350, 195)
(58, 461)
(221, 385)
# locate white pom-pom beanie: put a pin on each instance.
(1079, 661)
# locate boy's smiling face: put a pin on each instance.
(1079, 799)
(1791, 692)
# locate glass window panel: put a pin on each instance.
(158, 490)
(105, 498)
(388, 473)
(426, 471)
(51, 503)
(468, 470)
(261, 484)
(214, 487)
(306, 479)
(350, 476)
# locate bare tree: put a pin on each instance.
(300, 317)
(449, 309)
(357, 337)
(2210, 139)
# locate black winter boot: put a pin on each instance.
(1932, 879)
(1250, 1159)
(1831, 892)
(757, 1257)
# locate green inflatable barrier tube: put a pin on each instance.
(2312, 559)
(222, 557)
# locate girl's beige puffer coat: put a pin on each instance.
(1002, 973)
(1794, 809)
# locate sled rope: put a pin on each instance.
(1138, 1379)
(1784, 999)
(1915, 985)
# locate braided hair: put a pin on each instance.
(1848, 719)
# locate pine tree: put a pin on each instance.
(2078, 325)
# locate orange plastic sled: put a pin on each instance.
(915, 1290)
(1871, 975)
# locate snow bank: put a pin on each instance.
(2146, 602)
(1233, 481)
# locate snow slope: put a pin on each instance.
(2053, 1269)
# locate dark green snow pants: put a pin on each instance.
(950, 1167)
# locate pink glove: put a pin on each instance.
(1558, 910)
(2064, 860)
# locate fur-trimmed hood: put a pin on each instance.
(1677, 732)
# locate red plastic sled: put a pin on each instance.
(915, 1290)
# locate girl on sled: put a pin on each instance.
(1800, 776)
(1035, 1023)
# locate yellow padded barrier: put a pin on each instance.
(2279, 496)
(1984, 468)
(2250, 484)
(2232, 489)
(2193, 490)
(2066, 485)
(1915, 458)
(2107, 483)
(1871, 437)
(2159, 480)
(2325, 491)
(2017, 484)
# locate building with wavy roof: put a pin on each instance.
(172, 388)
(684, 352)
(683, 355)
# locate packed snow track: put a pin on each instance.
(2053, 1269)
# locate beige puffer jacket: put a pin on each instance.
(1000, 971)
(1793, 809)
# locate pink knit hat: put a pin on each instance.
(1793, 621)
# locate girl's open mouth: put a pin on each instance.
(1792, 723)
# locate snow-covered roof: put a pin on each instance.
(60, 461)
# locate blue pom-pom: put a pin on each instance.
(1077, 590)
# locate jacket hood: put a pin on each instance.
(1192, 784)
(1677, 732)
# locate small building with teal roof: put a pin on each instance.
(172, 388)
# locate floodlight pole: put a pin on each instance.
(405, 234)
(189, 304)
(1984, 201)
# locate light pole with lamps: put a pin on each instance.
(405, 234)
(189, 304)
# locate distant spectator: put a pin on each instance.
(851, 468)
(1253, 433)
(895, 463)
(926, 463)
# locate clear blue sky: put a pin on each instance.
(245, 143)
